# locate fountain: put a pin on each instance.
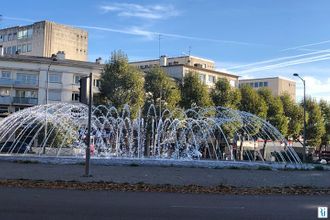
(214, 133)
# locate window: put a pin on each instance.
(97, 83)
(256, 84)
(75, 96)
(265, 84)
(261, 84)
(27, 93)
(19, 48)
(202, 77)
(29, 47)
(5, 37)
(7, 50)
(1, 38)
(76, 80)
(211, 79)
(251, 84)
(13, 49)
(4, 92)
(55, 78)
(4, 109)
(25, 78)
(5, 75)
(10, 37)
(54, 95)
(24, 48)
(29, 33)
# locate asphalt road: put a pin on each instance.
(20, 203)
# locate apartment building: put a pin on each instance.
(177, 67)
(23, 80)
(45, 38)
(278, 85)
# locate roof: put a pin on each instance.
(265, 78)
(47, 60)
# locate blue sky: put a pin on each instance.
(250, 38)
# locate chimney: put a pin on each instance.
(163, 60)
(1, 50)
(60, 55)
(98, 60)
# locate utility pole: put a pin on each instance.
(88, 150)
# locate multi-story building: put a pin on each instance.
(23, 80)
(177, 67)
(278, 85)
(45, 38)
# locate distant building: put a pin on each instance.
(45, 38)
(23, 80)
(278, 85)
(177, 67)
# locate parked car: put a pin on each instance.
(14, 147)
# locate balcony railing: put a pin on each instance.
(5, 100)
(6, 82)
(25, 100)
(26, 83)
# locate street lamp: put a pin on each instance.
(53, 59)
(304, 83)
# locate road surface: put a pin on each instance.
(21, 203)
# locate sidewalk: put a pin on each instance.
(165, 175)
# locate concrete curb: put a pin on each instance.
(162, 162)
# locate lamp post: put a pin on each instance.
(304, 134)
(53, 59)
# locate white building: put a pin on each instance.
(177, 67)
(23, 80)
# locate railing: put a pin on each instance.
(26, 82)
(25, 100)
(5, 100)
(5, 82)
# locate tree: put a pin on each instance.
(224, 95)
(275, 112)
(325, 109)
(294, 113)
(122, 84)
(315, 125)
(252, 102)
(194, 92)
(161, 87)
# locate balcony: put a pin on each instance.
(5, 100)
(26, 83)
(6, 82)
(25, 101)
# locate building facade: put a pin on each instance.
(178, 67)
(278, 85)
(45, 38)
(23, 81)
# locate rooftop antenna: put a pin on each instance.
(159, 38)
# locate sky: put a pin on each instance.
(249, 38)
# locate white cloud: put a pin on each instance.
(152, 12)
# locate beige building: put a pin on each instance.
(23, 80)
(45, 38)
(278, 85)
(177, 67)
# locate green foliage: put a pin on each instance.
(252, 102)
(224, 95)
(295, 115)
(275, 112)
(194, 92)
(122, 83)
(158, 85)
(325, 109)
(315, 124)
